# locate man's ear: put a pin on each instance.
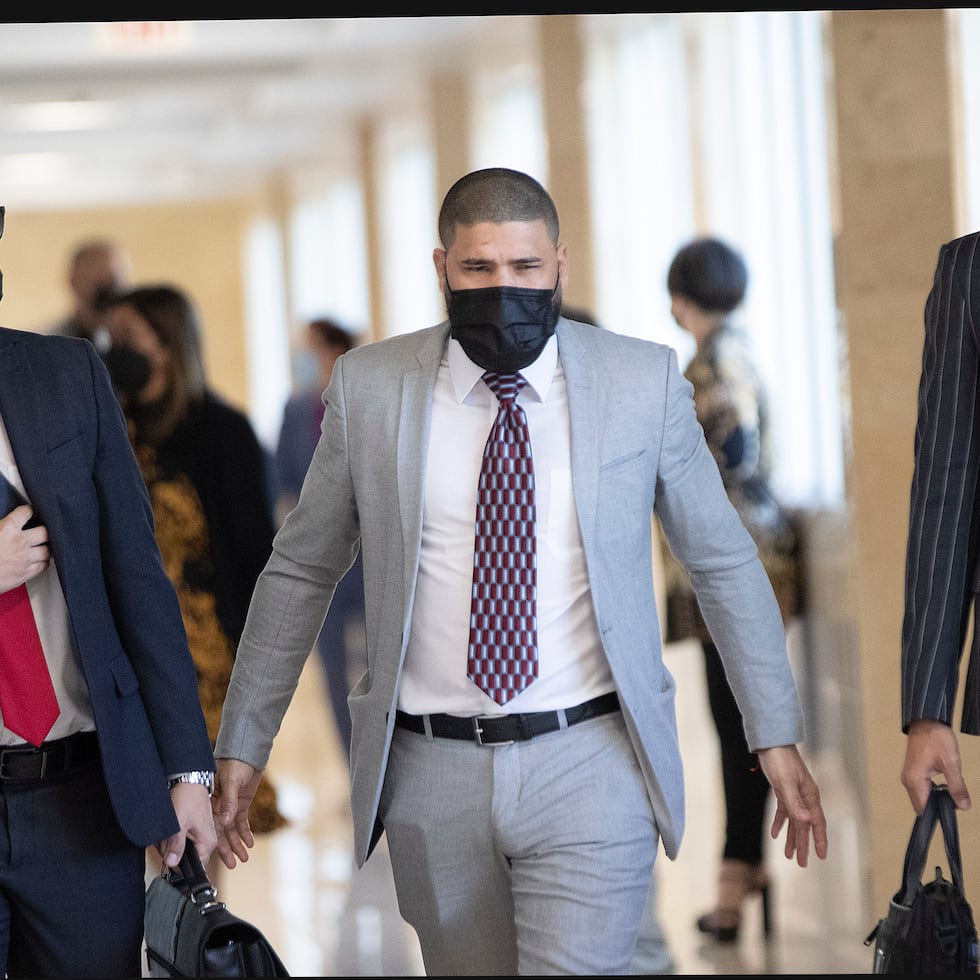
(439, 261)
(563, 265)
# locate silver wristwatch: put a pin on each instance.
(199, 776)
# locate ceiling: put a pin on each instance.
(116, 112)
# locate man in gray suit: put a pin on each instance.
(522, 831)
(942, 570)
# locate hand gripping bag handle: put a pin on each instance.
(195, 876)
(941, 809)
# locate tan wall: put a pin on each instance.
(198, 247)
(896, 166)
(562, 61)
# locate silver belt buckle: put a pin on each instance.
(478, 733)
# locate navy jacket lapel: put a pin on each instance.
(20, 392)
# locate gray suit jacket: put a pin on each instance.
(942, 576)
(636, 449)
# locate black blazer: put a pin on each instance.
(69, 439)
(942, 575)
(216, 448)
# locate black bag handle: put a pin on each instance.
(940, 809)
(196, 880)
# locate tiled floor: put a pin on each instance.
(326, 919)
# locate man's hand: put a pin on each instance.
(797, 801)
(932, 750)
(235, 786)
(24, 552)
(193, 808)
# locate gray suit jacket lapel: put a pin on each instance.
(584, 407)
(414, 427)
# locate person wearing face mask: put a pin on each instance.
(341, 641)
(514, 734)
(99, 269)
(206, 475)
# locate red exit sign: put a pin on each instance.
(138, 36)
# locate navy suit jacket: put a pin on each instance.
(69, 440)
(942, 578)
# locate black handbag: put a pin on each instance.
(929, 927)
(189, 933)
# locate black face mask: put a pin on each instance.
(503, 328)
(103, 297)
(128, 369)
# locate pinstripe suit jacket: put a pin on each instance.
(637, 448)
(942, 574)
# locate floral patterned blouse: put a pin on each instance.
(730, 402)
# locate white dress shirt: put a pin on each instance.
(54, 631)
(571, 665)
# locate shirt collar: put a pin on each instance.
(466, 374)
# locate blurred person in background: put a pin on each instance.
(341, 643)
(207, 479)
(99, 269)
(706, 282)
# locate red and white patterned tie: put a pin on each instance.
(503, 649)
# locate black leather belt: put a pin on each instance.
(55, 758)
(494, 730)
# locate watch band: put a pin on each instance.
(201, 777)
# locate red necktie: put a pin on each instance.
(27, 697)
(503, 649)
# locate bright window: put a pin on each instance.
(266, 330)
(715, 124)
(508, 128)
(329, 256)
(406, 202)
(965, 44)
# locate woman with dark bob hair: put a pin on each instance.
(706, 282)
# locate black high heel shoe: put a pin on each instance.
(736, 882)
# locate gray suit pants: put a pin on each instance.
(530, 858)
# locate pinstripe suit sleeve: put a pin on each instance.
(941, 551)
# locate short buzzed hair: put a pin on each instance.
(495, 195)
